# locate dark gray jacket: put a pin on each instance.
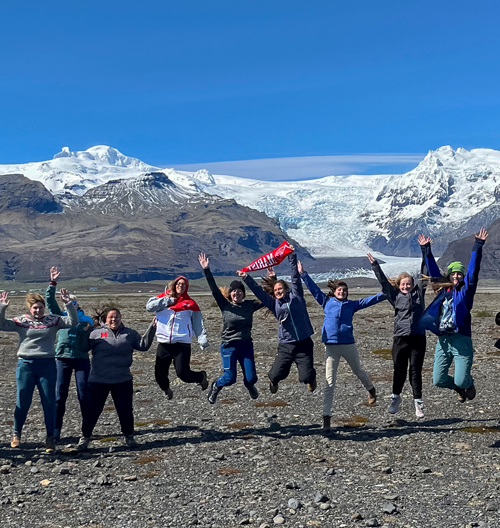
(237, 319)
(112, 353)
(290, 310)
(408, 307)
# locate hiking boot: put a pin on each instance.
(311, 387)
(212, 393)
(50, 444)
(130, 441)
(83, 443)
(169, 393)
(327, 423)
(254, 393)
(16, 440)
(419, 408)
(395, 403)
(273, 387)
(204, 381)
(462, 394)
(470, 393)
(57, 435)
(372, 396)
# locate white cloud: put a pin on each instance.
(307, 167)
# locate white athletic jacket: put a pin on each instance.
(176, 327)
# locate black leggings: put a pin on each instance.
(180, 354)
(300, 353)
(408, 349)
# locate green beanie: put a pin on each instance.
(455, 266)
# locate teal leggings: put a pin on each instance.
(448, 348)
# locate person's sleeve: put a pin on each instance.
(6, 325)
(219, 298)
(51, 302)
(387, 287)
(430, 262)
(321, 297)
(424, 272)
(472, 276)
(71, 319)
(157, 304)
(263, 296)
(199, 329)
(257, 305)
(144, 342)
(369, 301)
(297, 288)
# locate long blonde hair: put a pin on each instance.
(396, 281)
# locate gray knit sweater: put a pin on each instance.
(37, 336)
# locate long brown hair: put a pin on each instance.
(438, 283)
(334, 284)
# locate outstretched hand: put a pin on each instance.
(371, 258)
(242, 274)
(65, 297)
(482, 235)
(54, 273)
(3, 298)
(300, 268)
(422, 240)
(270, 273)
(203, 260)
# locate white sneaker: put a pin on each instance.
(83, 443)
(419, 408)
(395, 403)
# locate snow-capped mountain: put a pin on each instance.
(450, 194)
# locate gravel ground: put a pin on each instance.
(267, 462)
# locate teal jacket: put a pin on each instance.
(71, 342)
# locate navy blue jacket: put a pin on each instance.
(463, 293)
(290, 310)
(337, 324)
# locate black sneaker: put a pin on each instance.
(273, 387)
(462, 395)
(311, 387)
(169, 393)
(327, 423)
(254, 393)
(204, 381)
(470, 393)
(212, 393)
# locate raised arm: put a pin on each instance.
(297, 288)
(312, 286)
(361, 304)
(143, 343)
(264, 297)
(387, 287)
(72, 318)
(50, 293)
(199, 329)
(472, 276)
(6, 325)
(428, 257)
(219, 298)
(157, 304)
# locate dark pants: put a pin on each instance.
(65, 367)
(233, 353)
(408, 349)
(300, 353)
(122, 394)
(180, 354)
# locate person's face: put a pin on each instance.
(279, 291)
(180, 287)
(37, 310)
(237, 296)
(456, 277)
(341, 293)
(405, 285)
(113, 320)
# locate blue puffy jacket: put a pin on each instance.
(290, 310)
(337, 324)
(463, 293)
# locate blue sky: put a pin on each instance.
(193, 83)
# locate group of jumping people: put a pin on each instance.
(177, 319)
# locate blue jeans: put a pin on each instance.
(448, 348)
(39, 373)
(237, 352)
(65, 367)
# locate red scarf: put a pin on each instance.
(184, 302)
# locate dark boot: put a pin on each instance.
(327, 423)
